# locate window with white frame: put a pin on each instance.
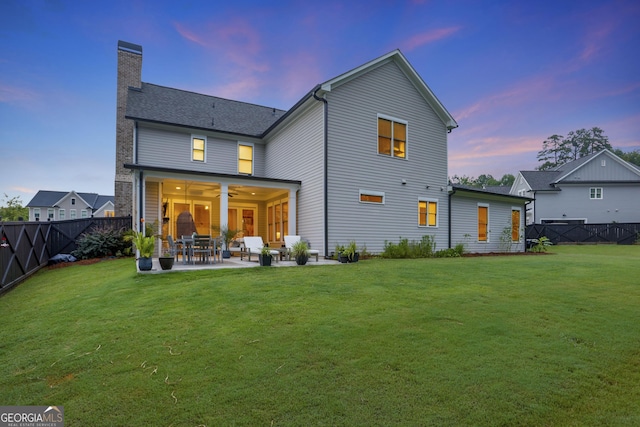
(483, 223)
(50, 214)
(61, 214)
(84, 213)
(245, 158)
(375, 197)
(392, 137)
(595, 193)
(36, 214)
(428, 213)
(198, 148)
(73, 214)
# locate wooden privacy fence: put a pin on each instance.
(25, 247)
(620, 233)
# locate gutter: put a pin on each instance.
(326, 174)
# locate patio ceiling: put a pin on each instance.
(210, 190)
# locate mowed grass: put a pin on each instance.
(549, 340)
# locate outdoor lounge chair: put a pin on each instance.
(289, 241)
(254, 245)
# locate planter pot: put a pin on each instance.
(355, 257)
(166, 263)
(145, 264)
(226, 254)
(302, 259)
(343, 259)
(265, 260)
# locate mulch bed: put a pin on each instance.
(505, 254)
(79, 262)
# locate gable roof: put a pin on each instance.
(413, 76)
(540, 180)
(160, 104)
(569, 168)
(45, 198)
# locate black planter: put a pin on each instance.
(302, 259)
(226, 254)
(265, 260)
(145, 264)
(343, 258)
(355, 257)
(166, 263)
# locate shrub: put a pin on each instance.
(101, 242)
(410, 249)
(540, 245)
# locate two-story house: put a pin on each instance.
(598, 188)
(62, 205)
(362, 156)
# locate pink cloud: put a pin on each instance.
(427, 37)
(13, 94)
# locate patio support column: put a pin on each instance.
(224, 204)
(293, 213)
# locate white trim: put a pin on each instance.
(371, 193)
(253, 157)
(596, 193)
(203, 138)
(429, 200)
(488, 206)
(406, 136)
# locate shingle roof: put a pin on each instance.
(499, 190)
(179, 107)
(50, 198)
(541, 180)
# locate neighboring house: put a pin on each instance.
(360, 157)
(61, 205)
(598, 188)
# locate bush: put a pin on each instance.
(410, 249)
(102, 242)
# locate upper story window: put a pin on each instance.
(198, 147)
(428, 213)
(371, 197)
(392, 137)
(110, 214)
(73, 214)
(245, 159)
(73, 200)
(595, 193)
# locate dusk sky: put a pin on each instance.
(511, 73)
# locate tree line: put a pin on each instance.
(556, 151)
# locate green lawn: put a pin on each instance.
(550, 340)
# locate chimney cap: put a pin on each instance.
(130, 47)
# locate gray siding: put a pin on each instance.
(464, 222)
(172, 149)
(296, 152)
(619, 203)
(612, 170)
(355, 164)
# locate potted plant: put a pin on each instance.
(265, 257)
(227, 236)
(300, 252)
(166, 261)
(353, 254)
(145, 246)
(341, 254)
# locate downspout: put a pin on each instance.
(451, 193)
(141, 227)
(326, 177)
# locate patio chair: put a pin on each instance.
(173, 248)
(254, 245)
(289, 241)
(202, 247)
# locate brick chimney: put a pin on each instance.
(129, 75)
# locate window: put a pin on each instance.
(245, 159)
(84, 214)
(483, 223)
(109, 214)
(371, 197)
(515, 225)
(392, 137)
(428, 213)
(61, 214)
(595, 193)
(72, 213)
(198, 145)
(50, 214)
(73, 200)
(36, 214)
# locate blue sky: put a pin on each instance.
(511, 73)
